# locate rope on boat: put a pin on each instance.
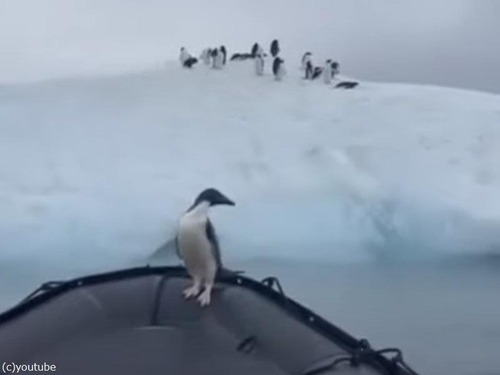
(363, 353)
(271, 282)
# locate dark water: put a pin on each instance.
(444, 315)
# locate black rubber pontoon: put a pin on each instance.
(136, 321)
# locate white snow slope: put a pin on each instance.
(95, 172)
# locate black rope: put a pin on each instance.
(361, 353)
(398, 360)
(316, 370)
(271, 282)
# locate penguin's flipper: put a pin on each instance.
(222, 273)
(212, 237)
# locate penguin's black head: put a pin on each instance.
(214, 197)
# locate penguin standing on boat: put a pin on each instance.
(198, 246)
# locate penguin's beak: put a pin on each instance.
(223, 200)
(226, 201)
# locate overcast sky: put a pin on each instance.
(448, 42)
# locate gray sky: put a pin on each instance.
(448, 42)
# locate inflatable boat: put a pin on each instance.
(136, 321)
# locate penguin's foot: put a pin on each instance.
(192, 291)
(204, 297)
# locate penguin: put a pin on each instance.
(309, 70)
(259, 64)
(205, 56)
(335, 68)
(215, 57)
(260, 51)
(275, 48)
(305, 59)
(190, 62)
(278, 68)
(198, 246)
(255, 49)
(317, 72)
(235, 56)
(327, 72)
(219, 59)
(347, 85)
(224, 54)
(241, 56)
(184, 56)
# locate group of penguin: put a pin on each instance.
(257, 54)
(217, 58)
(312, 72)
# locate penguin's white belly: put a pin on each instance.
(195, 249)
